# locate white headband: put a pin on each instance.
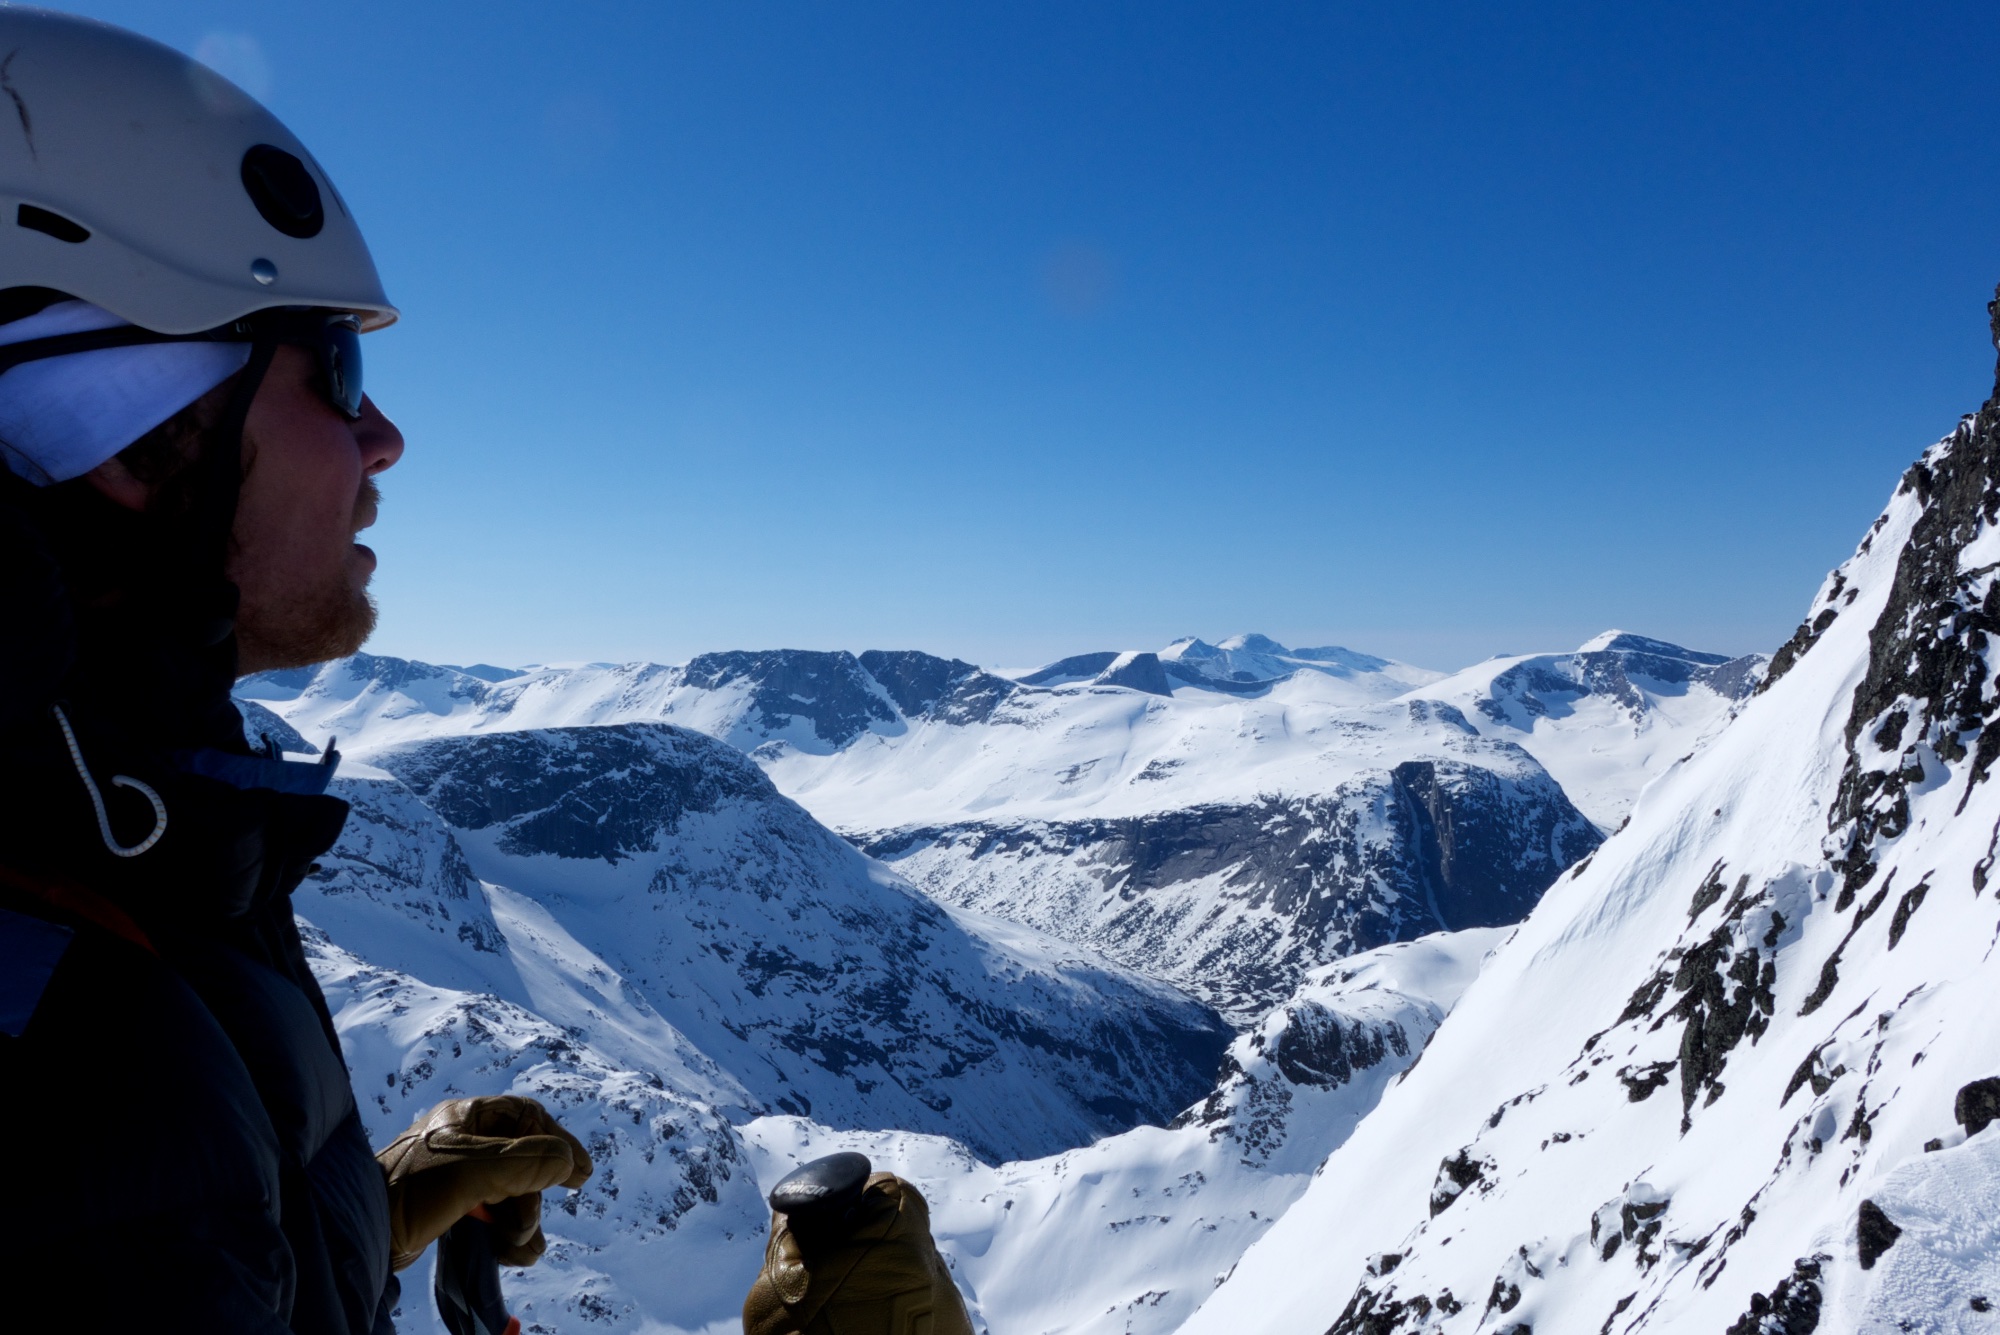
(63, 416)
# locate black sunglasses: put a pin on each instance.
(334, 339)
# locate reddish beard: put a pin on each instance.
(326, 620)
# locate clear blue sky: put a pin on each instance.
(1015, 330)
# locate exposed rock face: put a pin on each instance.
(924, 686)
(1138, 672)
(261, 727)
(1875, 1233)
(1926, 697)
(1613, 666)
(1077, 667)
(1977, 1105)
(1237, 903)
(1608, 717)
(609, 793)
(1482, 850)
(1345, 1030)
(838, 696)
(829, 691)
(1792, 1308)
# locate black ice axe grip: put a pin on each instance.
(817, 1198)
(467, 1287)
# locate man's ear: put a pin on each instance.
(118, 484)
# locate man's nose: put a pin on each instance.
(381, 443)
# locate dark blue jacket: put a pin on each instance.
(183, 1147)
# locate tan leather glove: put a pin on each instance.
(879, 1274)
(500, 1152)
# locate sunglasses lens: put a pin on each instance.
(340, 357)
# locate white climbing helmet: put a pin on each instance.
(139, 180)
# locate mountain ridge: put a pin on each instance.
(1746, 1045)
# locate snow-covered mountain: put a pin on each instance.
(668, 1233)
(1240, 665)
(720, 932)
(808, 701)
(1738, 1071)
(1224, 816)
(1350, 828)
(546, 888)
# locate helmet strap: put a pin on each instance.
(216, 499)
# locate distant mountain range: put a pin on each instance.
(1225, 817)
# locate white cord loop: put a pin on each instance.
(97, 798)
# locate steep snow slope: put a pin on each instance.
(672, 1175)
(398, 890)
(1129, 1234)
(1607, 719)
(1735, 1074)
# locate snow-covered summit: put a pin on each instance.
(1606, 718)
(1252, 659)
(1240, 665)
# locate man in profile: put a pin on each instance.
(189, 457)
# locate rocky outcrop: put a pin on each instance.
(924, 686)
(1621, 667)
(830, 692)
(1295, 1081)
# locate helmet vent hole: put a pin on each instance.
(54, 224)
(283, 191)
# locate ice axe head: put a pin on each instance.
(817, 1198)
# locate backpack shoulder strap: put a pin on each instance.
(71, 900)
